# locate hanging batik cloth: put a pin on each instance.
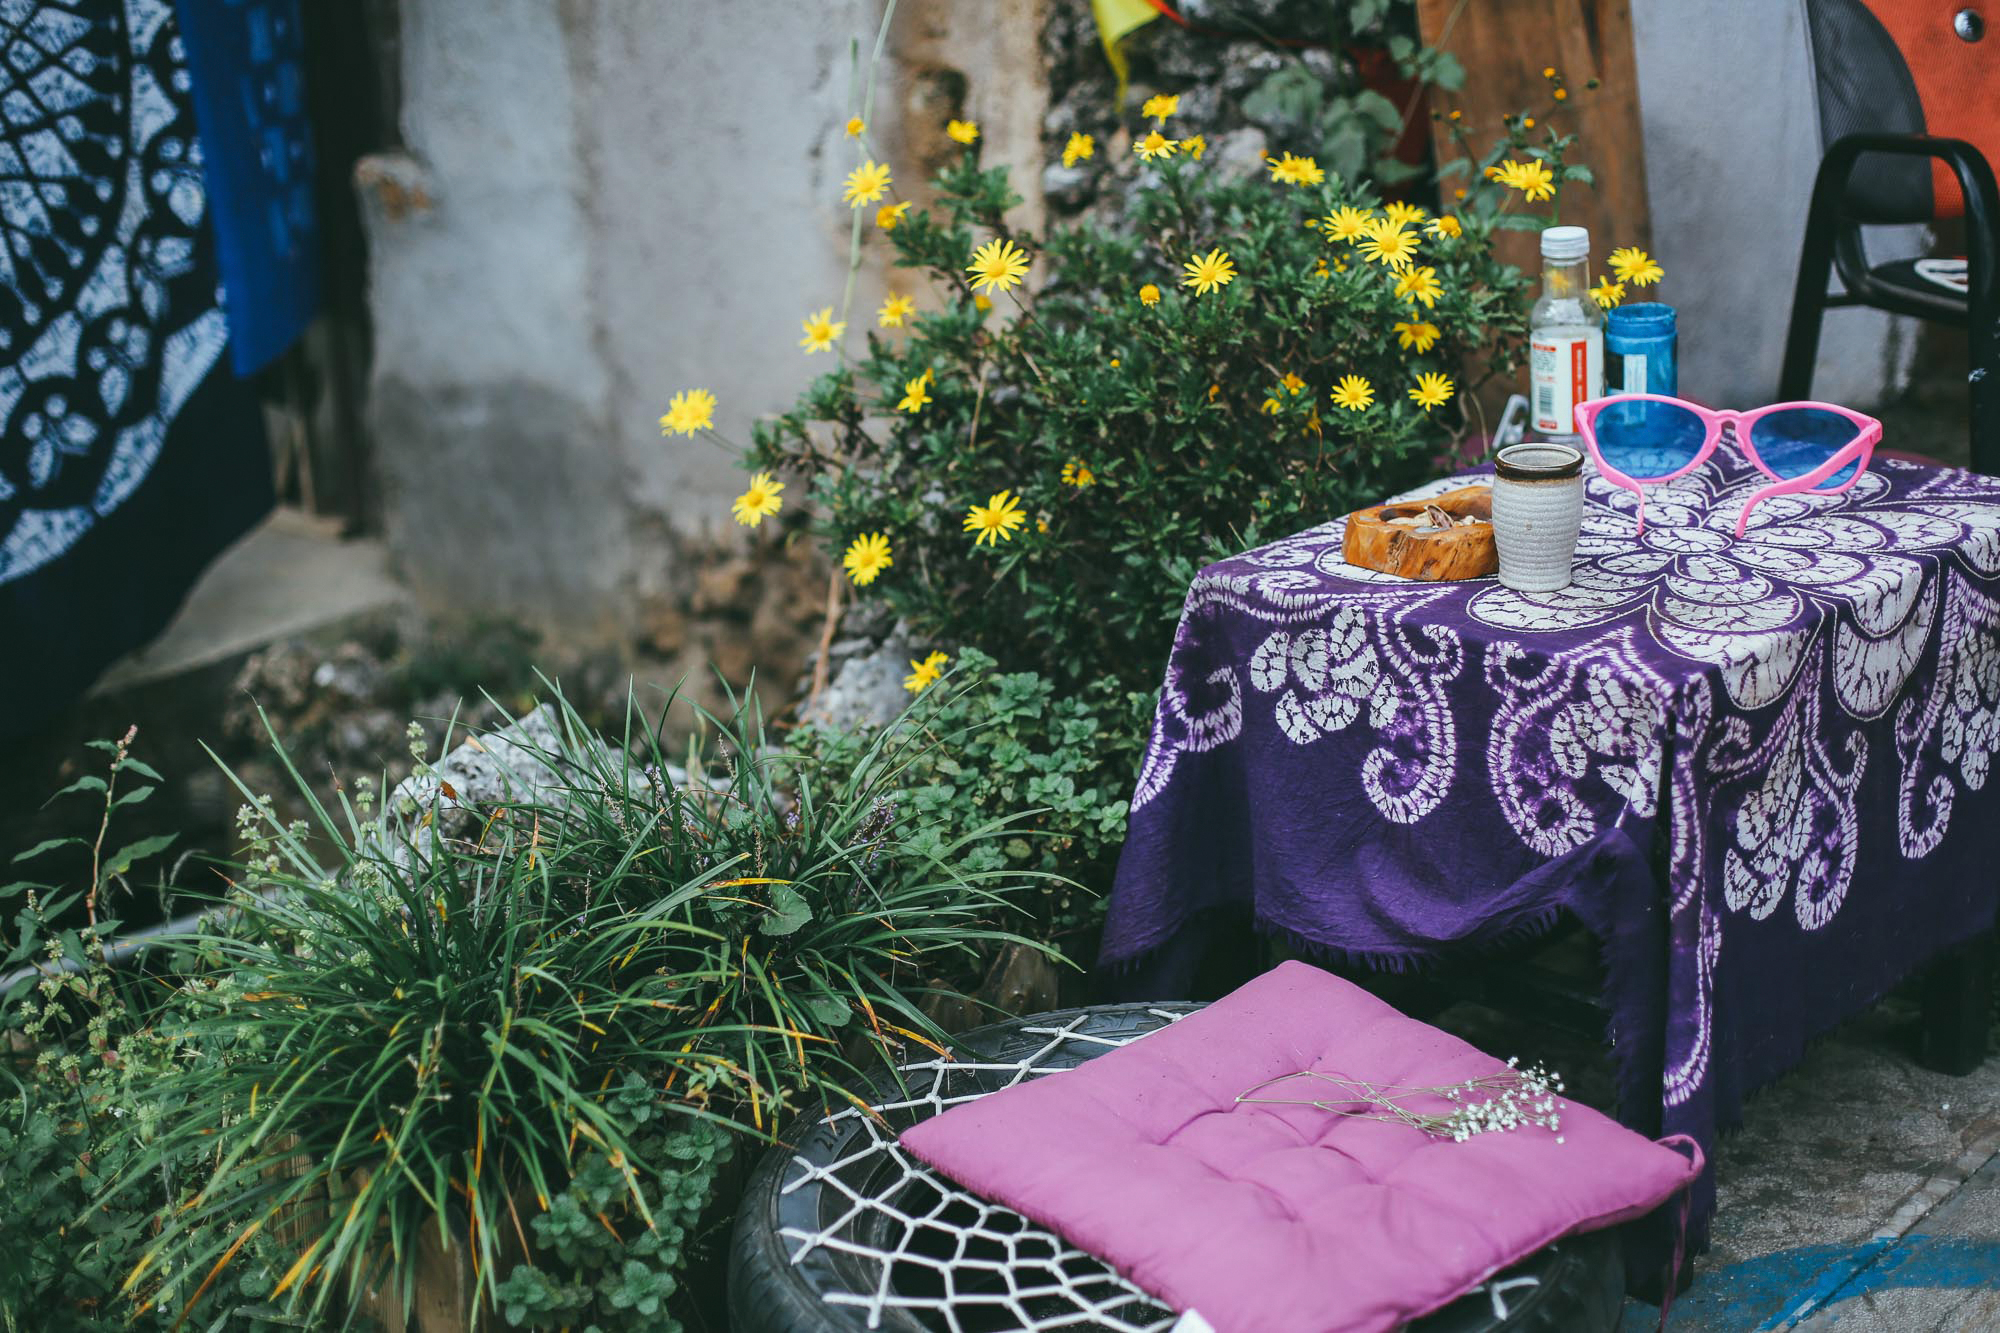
(130, 453)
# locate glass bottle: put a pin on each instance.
(1565, 337)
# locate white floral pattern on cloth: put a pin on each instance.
(1741, 603)
(1797, 830)
(1325, 675)
(1960, 717)
(1566, 718)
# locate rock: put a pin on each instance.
(521, 762)
(868, 690)
(1245, 65)
(1239, 154)
(1022, 980)
(1068, 188)
(950, 1010)
(1201, 108)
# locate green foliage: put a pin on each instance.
(1006, 742)
(85, 1048)
(597, 1264)
(421, 1019)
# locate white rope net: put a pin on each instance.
(905, 1239)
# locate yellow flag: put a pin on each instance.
(1116, 18)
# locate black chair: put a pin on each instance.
(1906, 89)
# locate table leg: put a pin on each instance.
(1958, 1007)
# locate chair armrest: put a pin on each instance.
(1975, 182)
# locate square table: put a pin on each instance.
(1755, 769)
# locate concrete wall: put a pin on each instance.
(1732, 144)
(606, 201)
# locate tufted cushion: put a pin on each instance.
(1267, 1219)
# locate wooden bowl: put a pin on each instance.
(1426, 553)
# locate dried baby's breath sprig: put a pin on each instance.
(1514, 1100)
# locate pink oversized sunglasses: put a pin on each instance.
(1641, 438)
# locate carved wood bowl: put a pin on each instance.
(1421, 551)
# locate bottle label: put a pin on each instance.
(1635, 372)
(1564, 371)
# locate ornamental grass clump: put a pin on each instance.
(523, 1033)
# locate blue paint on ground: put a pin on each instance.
(1762, 1293)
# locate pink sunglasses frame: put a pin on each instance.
(1862, 446)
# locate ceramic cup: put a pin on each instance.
(1537, 513)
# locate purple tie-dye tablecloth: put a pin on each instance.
(1756, 769)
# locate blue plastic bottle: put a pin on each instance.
(1640, 350)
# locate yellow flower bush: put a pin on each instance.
(1049, 481)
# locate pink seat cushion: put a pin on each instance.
(1268, 1218)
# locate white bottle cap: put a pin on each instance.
(1565, 243)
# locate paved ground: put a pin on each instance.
(1862, 1193)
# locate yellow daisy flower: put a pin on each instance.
(895, 310)
(889, 215)
(1433, 389)
(1271, 406)
(1161, 105)
(1346, 223)
(1561, 94)
(865, 184)
(759, 502)
(1420, 284)
(855, 126)
(982, 303)
(1297, 171)
(1155, 144)
(867, 557)
(1532, 178)
(997, 266)
(916, 393)
(689, 412)
(1080, 148)
(1292, 383)
(1402, 214)
(1635, 266)
(1194, 146)
(926, 673)
(995, 521)
(1419, 335)
(1387, 243)
(1077, 473)
(1607, 293)
(1149, 295)
(1548, 71)
(822, 331)
(1353, 393)
(1207, 272)
(1445, 225)
(964, 131)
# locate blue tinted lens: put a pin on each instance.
(1797, 440)
(1644, 439)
